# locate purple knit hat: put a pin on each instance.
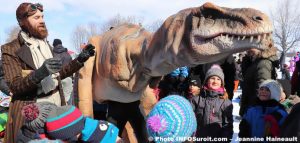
(171, 117)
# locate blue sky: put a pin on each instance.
(62, 16)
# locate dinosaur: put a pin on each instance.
(129, 59)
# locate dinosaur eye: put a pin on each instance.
(209, 16)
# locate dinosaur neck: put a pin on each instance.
(160, 59)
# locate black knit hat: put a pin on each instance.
(56, 42)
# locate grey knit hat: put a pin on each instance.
(274, 88)
(215, 70)
(35, 114)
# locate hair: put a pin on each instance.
(224, 96)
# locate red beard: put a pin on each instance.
(39, 32)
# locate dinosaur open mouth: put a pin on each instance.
(225, 36)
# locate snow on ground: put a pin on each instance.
(235, 113)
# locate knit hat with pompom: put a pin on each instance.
(171, 117)
(35, 114)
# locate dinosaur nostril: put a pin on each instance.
(257, 18)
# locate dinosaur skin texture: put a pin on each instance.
(129, 59)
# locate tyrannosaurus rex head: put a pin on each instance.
(209, 32)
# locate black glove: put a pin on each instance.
(86, 53)
(50, 66)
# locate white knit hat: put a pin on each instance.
(274, 88)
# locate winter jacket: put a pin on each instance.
(62, 52)
(254, 73)
(253, 123)
(18, 66)
(214, 115)
(291, 125)
(295, 79)
(3, 85)
(67, 83)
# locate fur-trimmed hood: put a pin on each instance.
(267, 53)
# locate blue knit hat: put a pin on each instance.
(171, 117)
(99, 132)
(184, 71)
(175, 73)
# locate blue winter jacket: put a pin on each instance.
(253, 124)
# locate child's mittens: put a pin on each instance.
(271, 126)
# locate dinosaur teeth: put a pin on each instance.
(238, 38)
(221, 36)
(231, 37)
(226, 36)
(258, 38)
(243, 37)
(264, 36)
(251, 38)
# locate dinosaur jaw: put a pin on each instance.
(228, 43)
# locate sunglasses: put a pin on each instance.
(32, 8)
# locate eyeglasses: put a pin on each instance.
(32, 8)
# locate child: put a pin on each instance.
(45, 120)
(35, 115)
(212, 107)
(194, 89)
(170, 118)
(68, 124)
(264, 118)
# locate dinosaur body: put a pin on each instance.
(128, 57)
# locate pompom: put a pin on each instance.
(30, 112)
(216, 66)
(156, 123)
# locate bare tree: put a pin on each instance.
(93, 29)
(152, 27)
(79, 36)
(12, 33)
(119, 20)
(82, 33)
(286, 20)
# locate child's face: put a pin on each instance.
(214, 82)
(194, 89)
(264, 94)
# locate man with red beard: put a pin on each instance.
(30, 69)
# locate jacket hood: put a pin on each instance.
(59, 49)
(271, 52)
